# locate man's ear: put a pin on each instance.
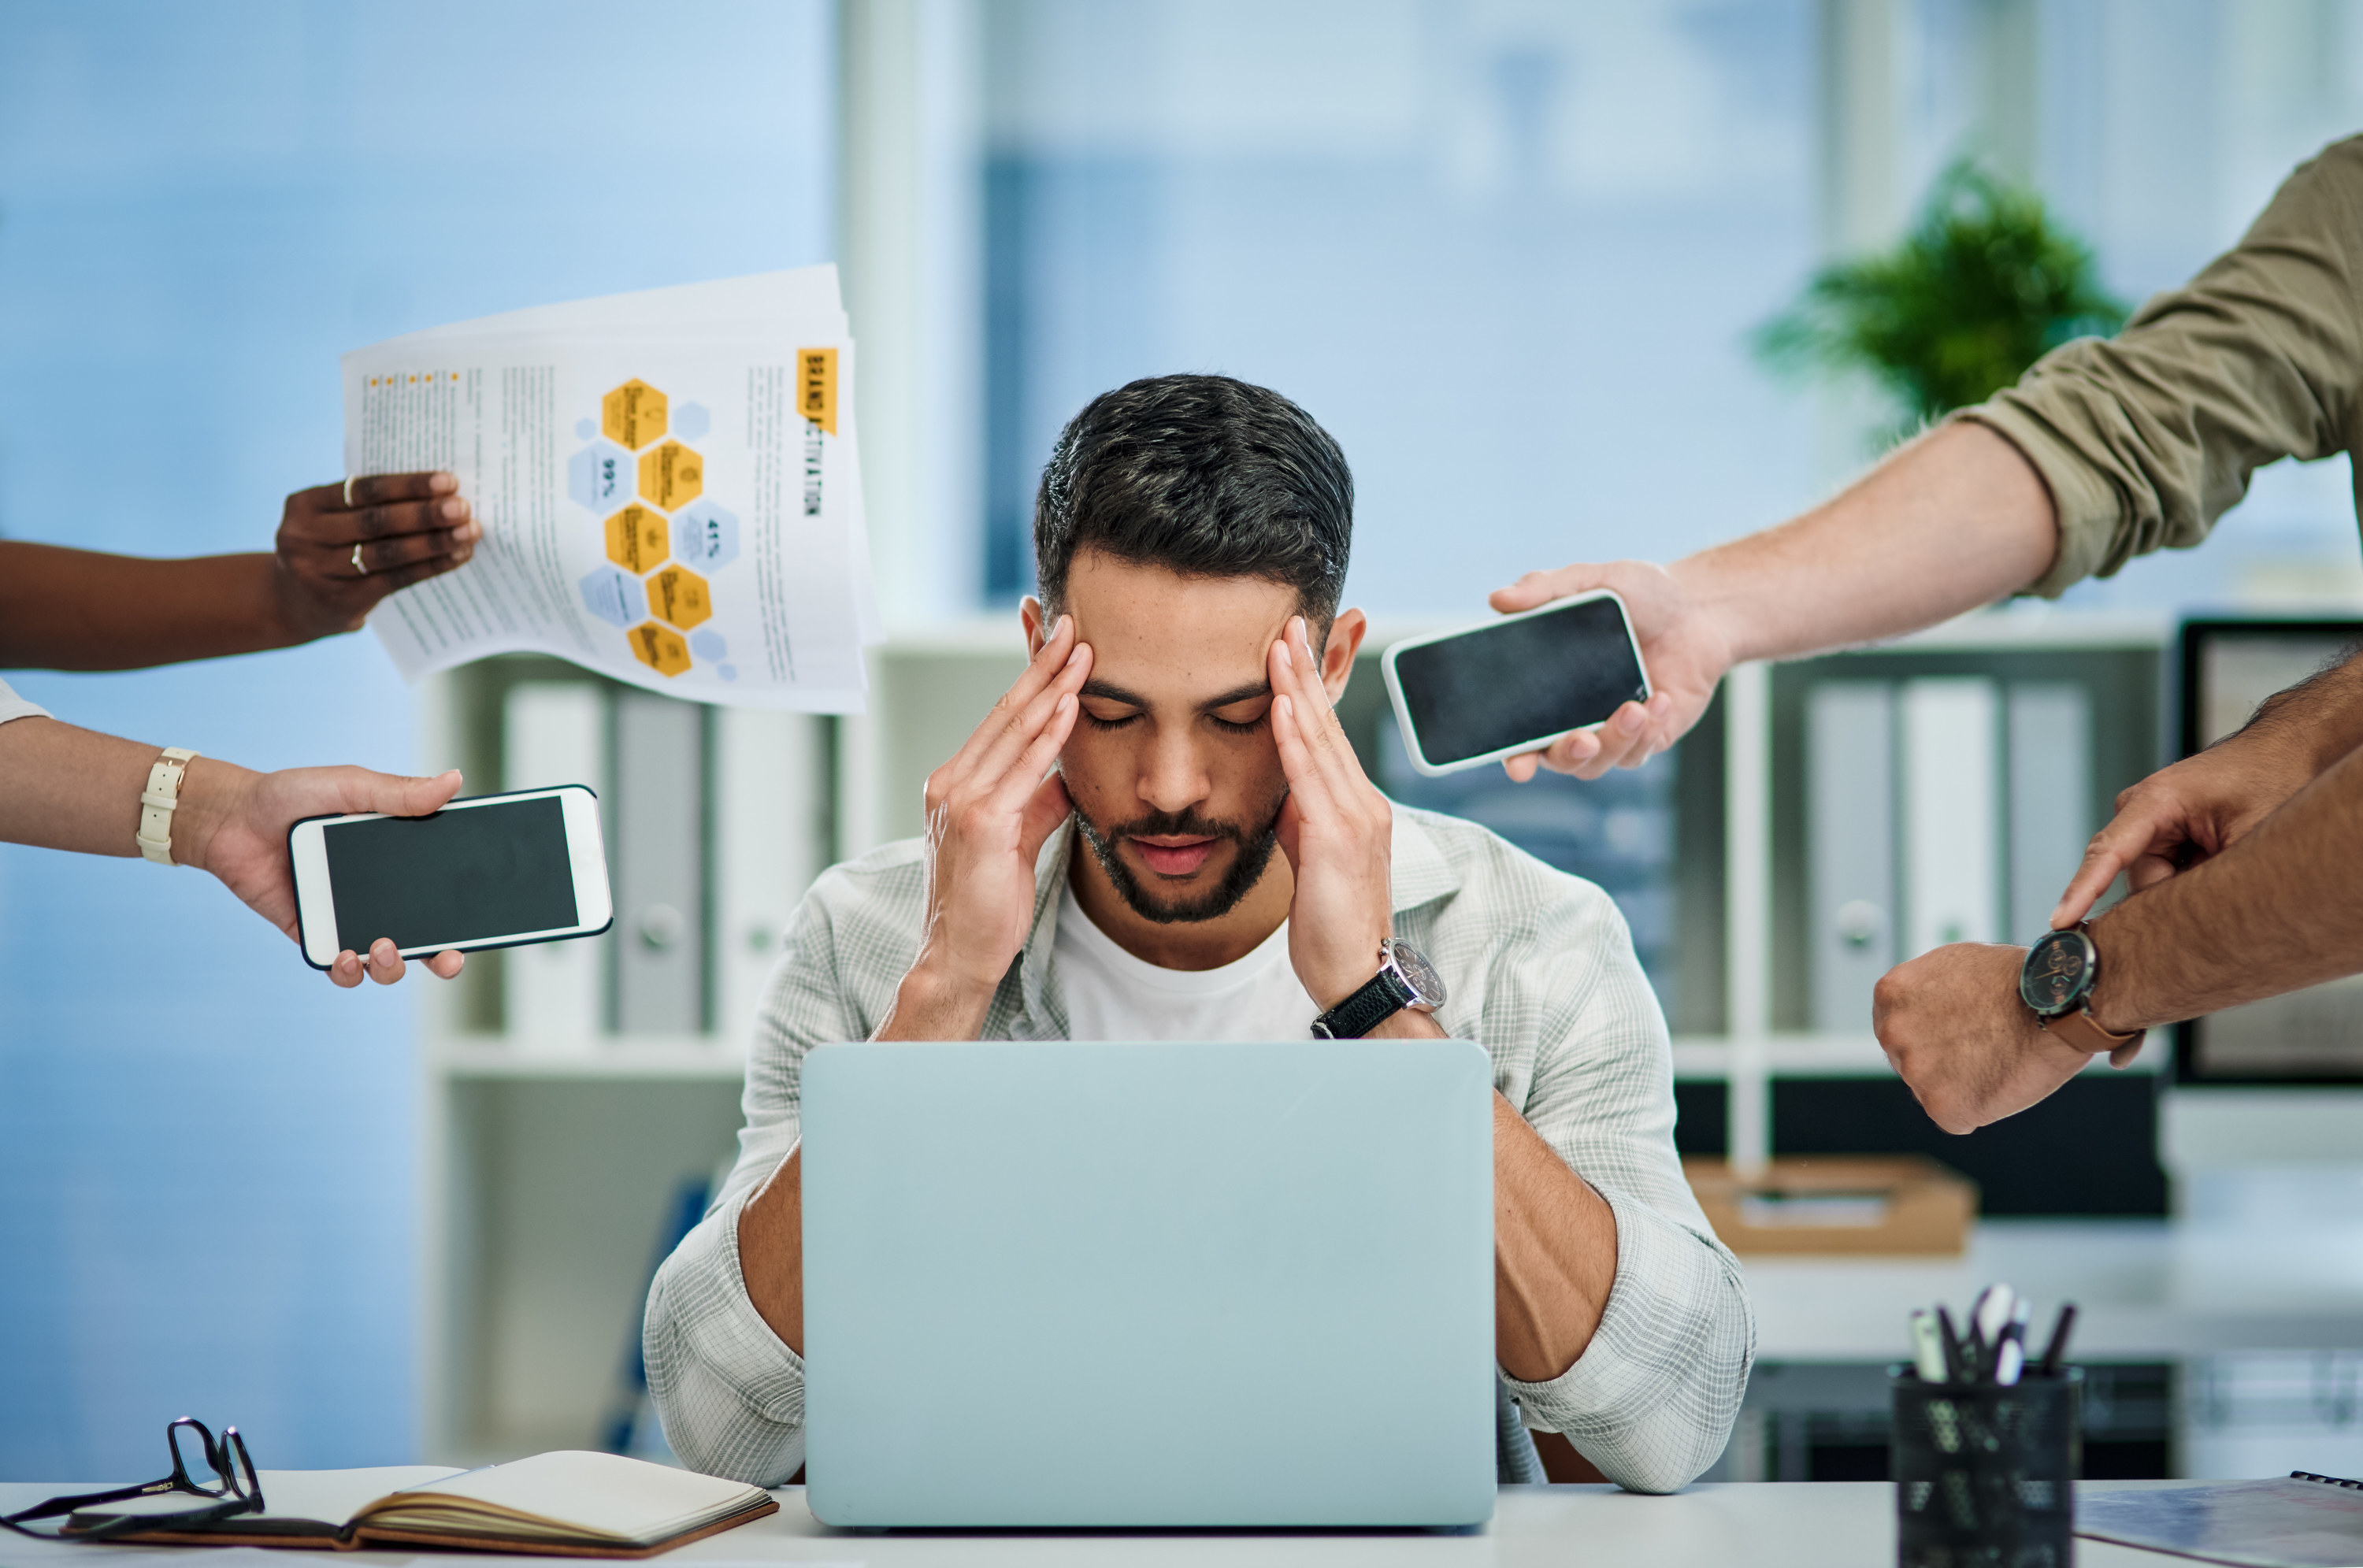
(1345, 640)
(1030, 613)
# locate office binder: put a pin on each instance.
(554, 993)
(1952, 860)
(659, 861)
(1850, 846)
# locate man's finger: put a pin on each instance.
(1539, 588)
(447, 966)
(347, 970)
(2109, 853)
(1041, 671)
(1016, 787)
(1522, 767)
(1023, 731)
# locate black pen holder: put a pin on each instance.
(1985, 1476)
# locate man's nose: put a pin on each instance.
(1174, 777)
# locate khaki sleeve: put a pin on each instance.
(2146, 439)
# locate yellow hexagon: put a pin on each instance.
(637, 539)
(680, 596)
(660, 647)
(672, 476)
(633, 414)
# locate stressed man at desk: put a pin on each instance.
(1162, 832)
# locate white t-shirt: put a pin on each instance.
(1111, 995)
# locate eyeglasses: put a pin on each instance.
(237, 1490)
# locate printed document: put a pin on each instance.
(667, 482)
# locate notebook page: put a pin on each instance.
(334, 1497)
(2261, 1524)
(628, 1498)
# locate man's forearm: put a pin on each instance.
(1954, 519)
(2278, 910)
(772, 1250)
(2320, 719)
(62, 609)
(1554, 1254)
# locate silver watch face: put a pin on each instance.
(1418, 974)
(2059, 972)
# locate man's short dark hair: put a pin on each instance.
(1205, 476)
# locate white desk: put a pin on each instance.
(2148, 1290)
(1828, 1525)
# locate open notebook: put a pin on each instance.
(565, 1504)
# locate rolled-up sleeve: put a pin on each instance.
(2146, 439)
(1652, 1398)
(729, 1391)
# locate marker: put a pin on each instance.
(2010, 1356)
(1927, 1350)
(2055, 1355)
(1956, 1360)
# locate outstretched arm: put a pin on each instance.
(1954, 519)
(65, 609)
(2278, 910)
(62, 787)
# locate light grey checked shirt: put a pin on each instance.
(1540, 971)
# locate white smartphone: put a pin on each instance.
(1513, 685)
(489, 871)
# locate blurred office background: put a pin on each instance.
(1510, 253)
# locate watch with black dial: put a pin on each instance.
(1405, 979)
(2056, 981)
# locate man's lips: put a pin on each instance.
(1171, 856)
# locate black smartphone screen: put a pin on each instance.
(1518, 680)
(463, 876)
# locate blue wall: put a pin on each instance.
(206, 1154)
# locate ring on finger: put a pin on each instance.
(348, 493)
(360, 566)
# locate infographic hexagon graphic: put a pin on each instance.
(690, 421)
(709, 647)
(680, 596)
(658, 647)
(705, 536)
(672, 476)
(614, 598)
(635, 539)
(599, 476)
(634, 414)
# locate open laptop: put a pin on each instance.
(1076, 1284)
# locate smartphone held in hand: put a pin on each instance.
(1516, 684)
(491, 871)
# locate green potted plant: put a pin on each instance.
(1984, 285)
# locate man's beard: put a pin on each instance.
(1246, 865)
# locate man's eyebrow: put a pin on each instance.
(1112, 693)
(1107, 692)
(1237, 694)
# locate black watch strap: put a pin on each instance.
(1380, 997)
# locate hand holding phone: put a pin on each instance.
(234, 827)
(1515, 684)
(492, 871)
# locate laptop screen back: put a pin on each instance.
(1079, 1284)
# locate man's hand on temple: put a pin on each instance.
(1336, 828)
(990, 810)
(1685, 651)
(1952, 1023)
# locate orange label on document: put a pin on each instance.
(817, 386)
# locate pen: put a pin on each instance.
(1957, 1363)
(1927, 1351)
(2055, 1355)
(2010, 1355)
